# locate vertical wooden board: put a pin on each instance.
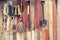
(43, 35)
(46, 28)
(25, 16)
(39, 14)
(54, 20)
(25, 19)
(10, 28)
(32, 18)
(20, 36)
(11, 36)
(40, 35)
(47, 34)
(1, 22)
(0, 18)
(5, 9)
(50, 20)
(32, 13)
(8, 23)
(29, 35)
(5, 35)
(14, 35)
(58, 19)
(36, 32)
(46, 13)
(35, 13)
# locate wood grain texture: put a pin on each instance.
(5, 9)
(25, 15)
(50, 20)
(36, 23)
(20, 36)
(32, 18)
(39, 14)
(46, 11)
(29, 35)
(54, 20)
(58, 20)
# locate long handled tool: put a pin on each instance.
(43, 22)
(44, 17)
(28, 12)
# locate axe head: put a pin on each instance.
(43, 22)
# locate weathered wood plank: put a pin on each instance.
(46, 28)
(32, 18)
(50, 20)
(58, 20)
(54, 20)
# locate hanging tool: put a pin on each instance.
(10, 9)
(29, 37)
(43, 22)
(28, 12)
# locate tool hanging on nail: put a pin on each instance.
(43, 22)
(28, 12)
(9, 9)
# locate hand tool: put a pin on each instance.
(28, 12)
(10, 9)
(43, 22)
